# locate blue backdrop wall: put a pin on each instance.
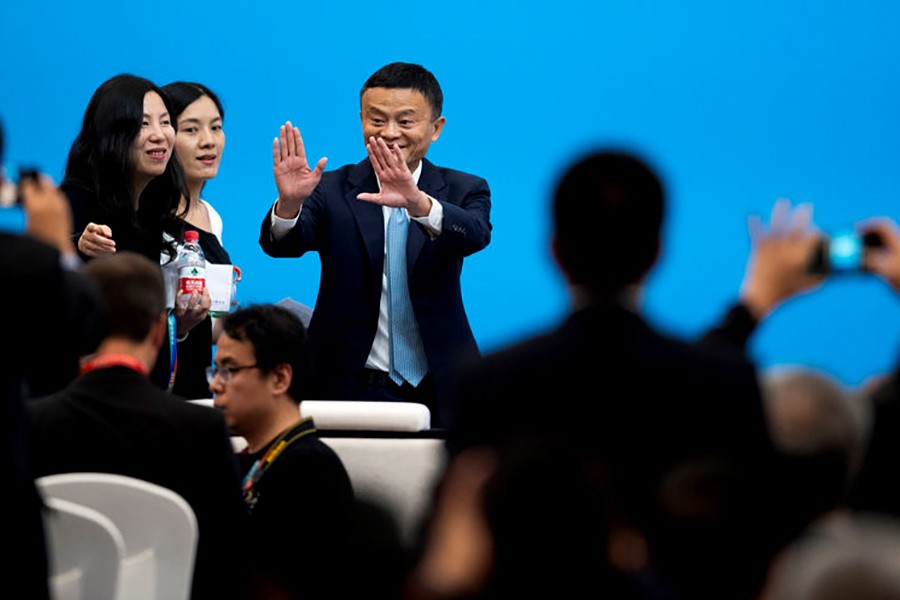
(736, 104)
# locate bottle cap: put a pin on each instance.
(191, 235)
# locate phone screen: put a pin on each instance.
(845, 252)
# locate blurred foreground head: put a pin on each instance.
(608, 212)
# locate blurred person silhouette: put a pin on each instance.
(823, 427)
(125, 191)
(877, 488)
(199, 143)
(856, 557)
(635, 399)
(24, 260)
(113, 419)
(820, 429)
(523, 519)
(53, 317)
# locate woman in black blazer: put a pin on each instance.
(125, 189)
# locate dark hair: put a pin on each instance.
(132, 288)
(182, 94)
(278, 337)
(608, 212)
(408, 76)
(100, 158)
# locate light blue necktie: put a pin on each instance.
(408, 361)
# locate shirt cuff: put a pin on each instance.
(740, 323)
(279, 227)
(70, 261)
(433, 221)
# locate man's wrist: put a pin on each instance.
(287, 209)
(758, 304)
(421, 207)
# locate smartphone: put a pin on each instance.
(26, 174)
(842, 252)
(12, 214)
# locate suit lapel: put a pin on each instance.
(369, 216)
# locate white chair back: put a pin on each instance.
(396, 473)
(158, 527)
(84, 552)
(367, 415)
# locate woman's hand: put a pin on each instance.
(96, 240)
(190, 310)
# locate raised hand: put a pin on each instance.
(294, 178)
(779, 263)
(398, 189)
(49, 217)
(884, 258)
(96, 240)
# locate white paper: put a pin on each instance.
(219, 280)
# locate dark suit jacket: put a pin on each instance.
(141, 233)
(50, 318)
(53, 316)
(348, 234)
(876, 488)
(640, 403)
(114, 420)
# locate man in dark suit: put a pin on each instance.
(112, 419)
(52, 315)
(345, 216)
(658, 418)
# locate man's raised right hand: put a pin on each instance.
(294, 178)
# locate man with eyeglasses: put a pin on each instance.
(296, 487)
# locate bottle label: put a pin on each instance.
(192, 279)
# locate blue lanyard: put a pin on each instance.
(173, 348)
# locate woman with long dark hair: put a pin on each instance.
(125, 189)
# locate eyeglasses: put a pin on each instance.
(225, 373)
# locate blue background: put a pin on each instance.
(736, 104)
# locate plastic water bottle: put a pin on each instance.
(191, 266)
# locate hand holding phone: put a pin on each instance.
(843, 252)
(26, 174)
(12, 215)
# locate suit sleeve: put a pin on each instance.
(467, 225)
(301, 238)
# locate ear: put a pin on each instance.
(438, 126)
(280, 378)
(158, 331)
